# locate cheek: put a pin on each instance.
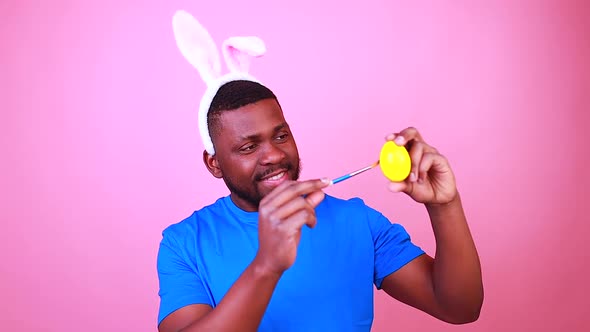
(241, 167)
(292, 150)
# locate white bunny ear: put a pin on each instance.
(238, 52)
(196, 45)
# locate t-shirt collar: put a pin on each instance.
(241, 215)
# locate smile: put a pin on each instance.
(275, 177)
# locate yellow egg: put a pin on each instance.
(395, 162)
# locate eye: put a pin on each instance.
(282, 137)
(248, 148)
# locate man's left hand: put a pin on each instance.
(431, 180)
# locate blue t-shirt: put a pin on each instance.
(328, 288)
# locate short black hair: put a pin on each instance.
(233, 95)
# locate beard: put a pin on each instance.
(250, 192)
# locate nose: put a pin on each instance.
(272, 154)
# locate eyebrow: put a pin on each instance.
(257, 136)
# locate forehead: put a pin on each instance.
(258, 118)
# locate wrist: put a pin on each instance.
(263, 270)
(443, 208)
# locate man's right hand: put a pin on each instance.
(282, 214)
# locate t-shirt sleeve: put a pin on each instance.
(393, 246)
(180, 282)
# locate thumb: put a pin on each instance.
(398, 187)
(315, 198)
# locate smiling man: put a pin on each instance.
(278, 254)
(239, 136)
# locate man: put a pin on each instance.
(278, 254)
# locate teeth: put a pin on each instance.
(276, 177)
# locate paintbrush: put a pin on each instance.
(349, 175)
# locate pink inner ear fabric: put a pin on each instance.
(239, 61)
(239, 51)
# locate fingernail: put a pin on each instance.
(399, 140)
(326, 181)
(412, 177)
(390, 137)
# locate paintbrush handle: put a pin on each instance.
(349, 175)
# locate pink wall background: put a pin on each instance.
(100, 152)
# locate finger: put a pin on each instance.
(315, 198)
(416, 153)
(398, 187)
(300, 218)
(283, 194)
(276, 191)
(407, 135)
(391, 136)
(295, 205)
(429, 161)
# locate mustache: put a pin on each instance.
(266, 172)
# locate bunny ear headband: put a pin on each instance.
(198, 47)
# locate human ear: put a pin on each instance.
(212, 164)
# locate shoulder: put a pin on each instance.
(188, 227)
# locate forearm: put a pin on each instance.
(243, 306)
(456, 276)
